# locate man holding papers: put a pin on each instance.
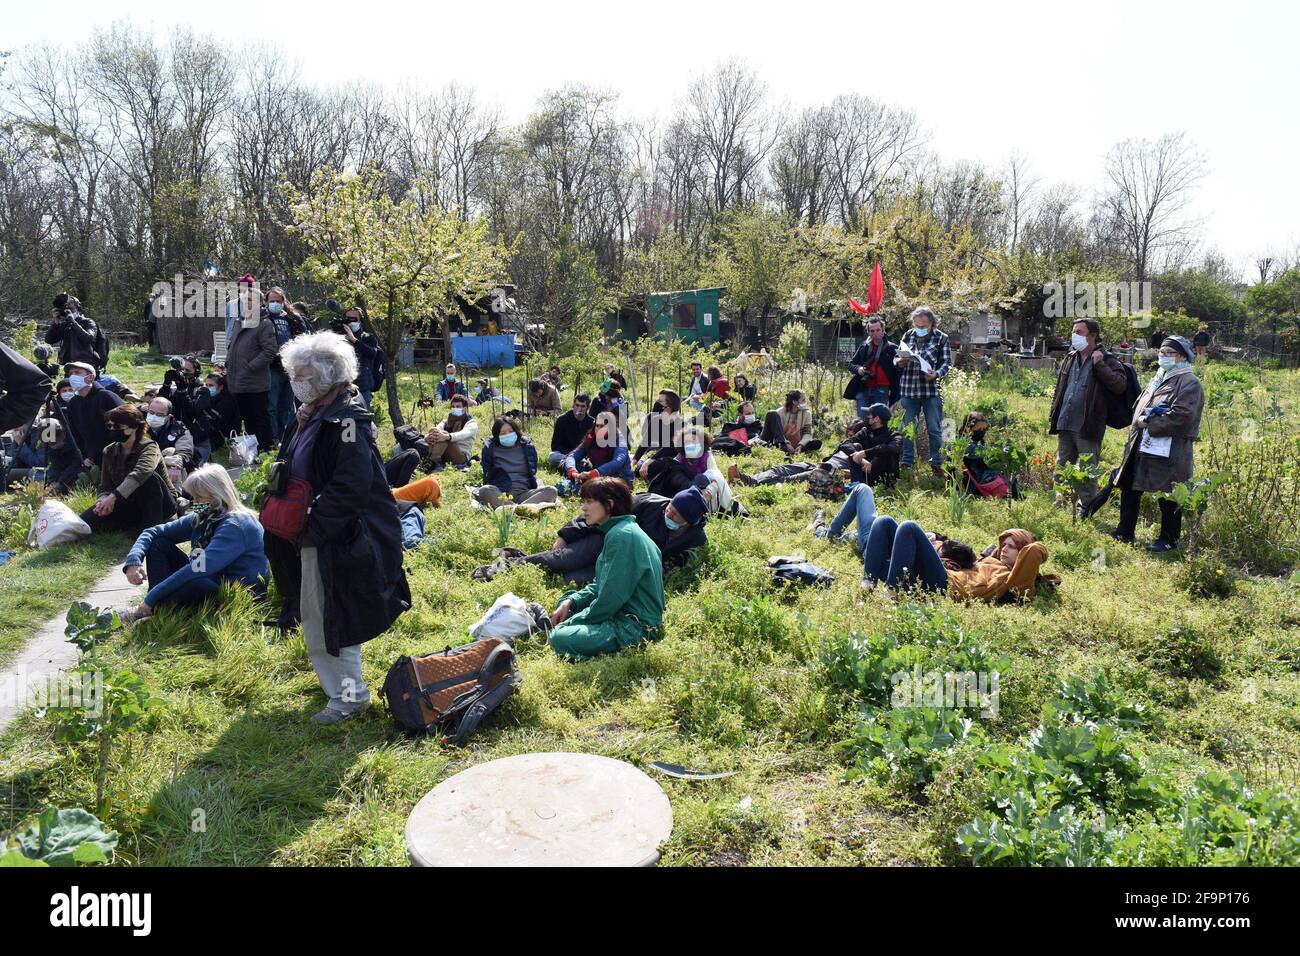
(925, 357)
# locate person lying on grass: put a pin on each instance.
(624, 605)
(676, 525)
(906, 556)
(225, 545)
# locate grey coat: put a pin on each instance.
(248, 358)
(1185, 397)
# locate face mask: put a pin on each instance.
(693, 451)
(156, 421)
(212, 390)
(1167, 361)
(579, 413)
(672, 525)
(275, 308)
(659, 407)
(508, 439)
(67, 395)
(457, 412)
(203, 511)
(921, 333)
(303, 391)
(78, 382)
(750, 419)
(1078, 342)
(355, 326)
(803, 407)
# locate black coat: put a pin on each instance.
(24, 387)
(569, 432)
(213, 418)
(76, 337)
(354, 526)
(649, 509)
(86, 419)
(888, 352)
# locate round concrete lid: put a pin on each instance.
(545, 809)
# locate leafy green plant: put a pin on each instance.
(906, 743)
(1184, 652)
(101, 707)
(1095, 699)
(86, 626)
(1071, 480)
(57, 837)
(1193, 497)
(1206, 578)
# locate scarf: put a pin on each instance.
(1165, 373)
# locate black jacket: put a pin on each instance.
(354, 526)
(372, 363)
(649, 509)
(76, 337)
(24, 387)
(86, 419)
(214, 418)
(862, 358)
(569, 432)
(175, 435)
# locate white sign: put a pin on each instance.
(708, 318)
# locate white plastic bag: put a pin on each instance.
(507, 618)
(243, 450)
(56, 523)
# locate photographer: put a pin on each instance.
(181, 385)
(372, 363)
(78, 337)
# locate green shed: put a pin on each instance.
(692, 315)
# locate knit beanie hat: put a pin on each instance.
(690, 504)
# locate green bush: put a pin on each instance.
(1206, 578)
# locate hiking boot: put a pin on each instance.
(1160, 546)
(1122, 538)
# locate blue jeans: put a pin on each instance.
(933, 409)
(868, 397)
(162, 560)
(860, 504)
(901, 556)
(555, 459)
(280, 403)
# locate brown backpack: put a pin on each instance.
(451, 691)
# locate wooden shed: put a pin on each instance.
(693, 315)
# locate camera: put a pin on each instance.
(175, 362)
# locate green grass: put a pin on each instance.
(232, 771)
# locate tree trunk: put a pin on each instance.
(390, 376)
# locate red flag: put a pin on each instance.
(858, 307)
(875, 290)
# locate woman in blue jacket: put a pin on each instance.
(225, 545)
(510, 468)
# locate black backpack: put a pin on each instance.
(101, 345)
(1119, 408)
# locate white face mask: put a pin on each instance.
(304, 391)
(1078, 342)
(355, 326)
(750, 419)
(67, 394)
(156, 421)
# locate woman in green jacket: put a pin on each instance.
(624, 606)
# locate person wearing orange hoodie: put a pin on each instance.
(1010, 572)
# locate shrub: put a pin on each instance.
(1206, 578)
(1182, 651)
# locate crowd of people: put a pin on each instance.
(334, 540)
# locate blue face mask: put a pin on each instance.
(212, 390)
(672, 525)
(1167, 361)
(457, 411)
(693, 451)
(508, 439)
(275, 308)
(78, 382)
(921, 333)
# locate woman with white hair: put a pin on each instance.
(343, 574)
(225, 546)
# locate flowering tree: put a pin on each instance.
(405, 260)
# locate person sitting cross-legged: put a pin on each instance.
(624, 605)
(225, 546)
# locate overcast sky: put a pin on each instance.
(1058, 83)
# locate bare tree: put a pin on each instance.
(728, 115)
(1150, 185)
(1018, 186)
(868, 144)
